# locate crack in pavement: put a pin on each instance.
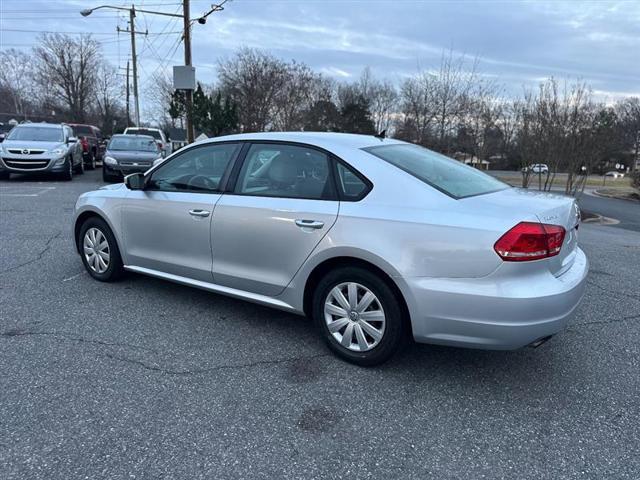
(46, 248)
(603, 322)
(613, 292)
(238, 366)
(155, 368)
(17, 332)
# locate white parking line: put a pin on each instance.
(19, 191)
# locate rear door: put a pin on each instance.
(283, 204)
(167, 226)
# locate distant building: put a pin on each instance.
(472, 160)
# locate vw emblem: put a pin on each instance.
(25, 151)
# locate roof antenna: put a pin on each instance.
(382, 135)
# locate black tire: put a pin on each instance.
(79, 169)
(67, 175)
(107, 178)
(5, 175)
(393, 335)
(91, 162)
(115, 268)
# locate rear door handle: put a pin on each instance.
(309, 224)
(199, 213)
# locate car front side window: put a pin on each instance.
(197, 170)
(288, 171)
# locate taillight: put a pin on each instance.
(530, 241)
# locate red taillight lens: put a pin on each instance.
(530, 241)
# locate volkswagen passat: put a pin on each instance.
(374, 238)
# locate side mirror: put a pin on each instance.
(72, 140)
(135, 181)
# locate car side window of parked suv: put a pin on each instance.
(288, 171)
(198, 169)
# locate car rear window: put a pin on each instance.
(143, 131)
(442, 173)
(82, 130)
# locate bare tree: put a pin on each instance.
(68, 66)
(108, 95)
(254, 80)
(628, 111)
(16, 79)
(299, 91)
(382, 97)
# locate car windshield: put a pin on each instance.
(443, 173)
(36, 134)
(143, 131)
(131, 143)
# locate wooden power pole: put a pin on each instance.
(187, 62)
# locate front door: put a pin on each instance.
(167, 226)
(282, 205)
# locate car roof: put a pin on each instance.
(321, 139)
(117, 135)
(143, 128)
(40, 125)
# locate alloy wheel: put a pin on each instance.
(96, 250)
(354, 316)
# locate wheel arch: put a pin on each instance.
(342, 261)
(86, 215)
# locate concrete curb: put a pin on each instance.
(601, 220)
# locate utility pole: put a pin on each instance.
(187, 61)
(134, 59)
(127, 85)
(132, 28)
(128, 104)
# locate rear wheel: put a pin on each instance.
(80, 167)
(358, 315)
(91, 161)
(99, 250)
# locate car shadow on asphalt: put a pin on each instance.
(415, 362)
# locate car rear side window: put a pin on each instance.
(288, 171)
(443, 173)
(351, 185)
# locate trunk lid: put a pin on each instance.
(520, 205)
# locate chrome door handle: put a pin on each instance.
(309, 224)
(199, 213)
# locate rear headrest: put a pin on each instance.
(283, 169)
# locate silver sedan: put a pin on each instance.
(377, 240)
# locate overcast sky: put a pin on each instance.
(519, 42)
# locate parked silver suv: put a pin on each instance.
(41, 147)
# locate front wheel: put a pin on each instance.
(359, 316)
(99, 250)
(67, 175)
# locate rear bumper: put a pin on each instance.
(502, 311)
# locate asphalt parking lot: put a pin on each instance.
(147, 379)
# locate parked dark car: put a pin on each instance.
(127, 154)
(90, 138)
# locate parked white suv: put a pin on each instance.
(161, 139)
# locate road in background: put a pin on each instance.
(146, 379)
(626, 211)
